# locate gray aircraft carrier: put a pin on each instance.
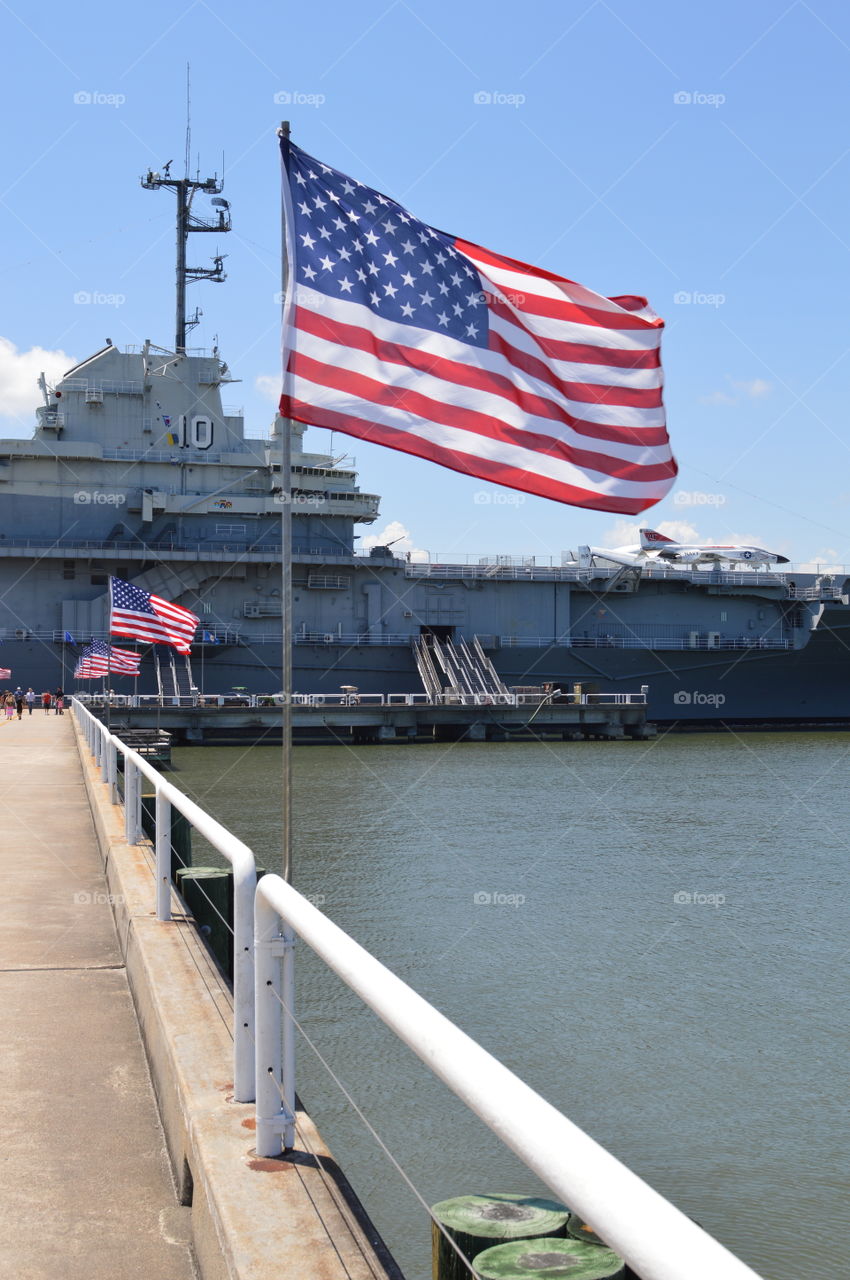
(136, 468)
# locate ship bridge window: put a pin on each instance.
(230, 530)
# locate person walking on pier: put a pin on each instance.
(45, 702)
(9, 704)
(59, 702)
(29, 698)
(19, 701)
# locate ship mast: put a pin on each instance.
(187, 222)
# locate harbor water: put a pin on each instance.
(652, 935)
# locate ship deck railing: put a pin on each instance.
(700, 642)
(649, 1232)
(319, 700)
(212, 638)
(578, 573)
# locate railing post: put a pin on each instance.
(244, 1017)
(288, 1037)
(112, 770)
(267, 1023)
(132, 801)
(137, 807)
(128, 800)
(163, 857)
(275, 1116)
(104, 754)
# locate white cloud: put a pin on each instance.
(394, 532)
(826, 560)
(268, 385)
(741, 388)
(19, 371)
(755, 388)
(718, 397)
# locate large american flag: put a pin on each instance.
(100, 659)
(412, 338)
(143, 616)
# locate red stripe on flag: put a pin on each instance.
(430, 410)
(469, 375)
(580, 352)
(480, 468)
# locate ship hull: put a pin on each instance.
(808, 685)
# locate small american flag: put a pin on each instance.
(100, 659)
(143, 616)
(5, 673)
(412, 338)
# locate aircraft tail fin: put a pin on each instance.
(650, 538)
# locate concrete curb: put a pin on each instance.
(251, 1219)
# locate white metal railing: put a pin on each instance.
(654, 1237)
(697, 642)
(318, 701)
(127, 388)
(105, 747)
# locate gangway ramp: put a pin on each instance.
(465, 668)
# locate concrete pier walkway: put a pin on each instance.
(85, 1185)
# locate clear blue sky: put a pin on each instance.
(583, 162)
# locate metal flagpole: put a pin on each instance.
(109, 680)
(287, 978)
(286, 574)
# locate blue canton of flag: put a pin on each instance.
(355, 243)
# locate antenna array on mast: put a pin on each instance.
(185, 188)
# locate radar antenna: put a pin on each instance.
(187, 221)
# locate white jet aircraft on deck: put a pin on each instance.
(665, 548)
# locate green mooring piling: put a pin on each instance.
(549, 1259)
(208, 893)
(475, 1223)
